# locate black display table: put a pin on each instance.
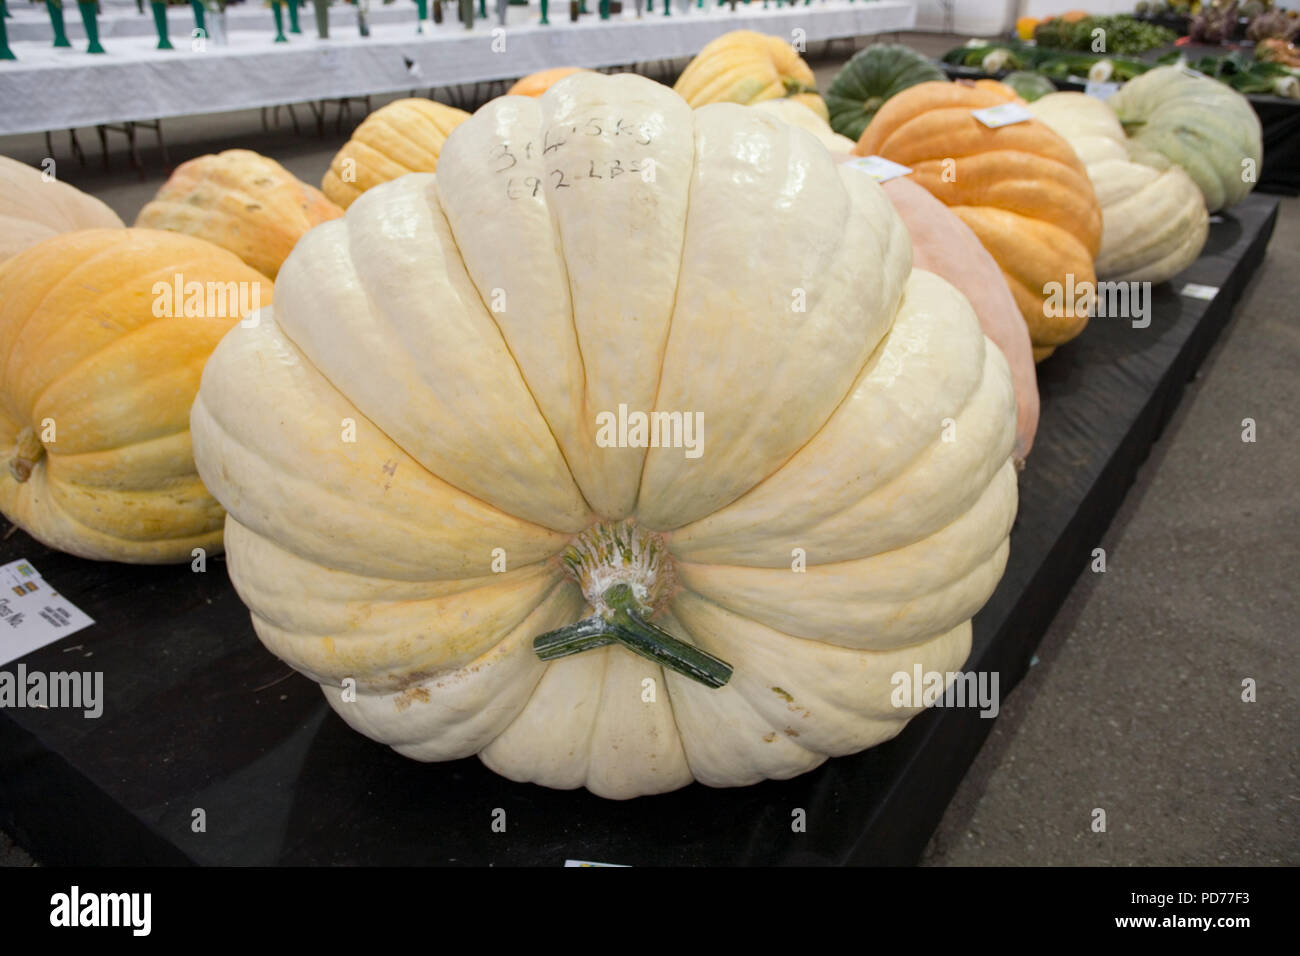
(199, 716)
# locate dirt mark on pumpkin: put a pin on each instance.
(409, 696)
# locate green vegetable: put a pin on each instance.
(1010, 57)
(1078, 66)
(1242, 72)
(871, 77)
(1121, 34)
(1029, 86)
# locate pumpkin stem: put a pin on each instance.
(654, 643)
(625, 625)
(626, 576)
(586, 635)
(27, 452)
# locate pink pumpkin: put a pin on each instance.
(944, 245)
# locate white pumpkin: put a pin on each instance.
(796, 114)
(33, 208)
(1154, 222)
(411, 445)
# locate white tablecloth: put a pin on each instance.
(47, 89)
(31, 21)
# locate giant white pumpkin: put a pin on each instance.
(413, 448)
(797, 114)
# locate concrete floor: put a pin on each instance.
(1135, 706)
(1136, 703)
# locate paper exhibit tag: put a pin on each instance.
(589, 863)
(1101, 91)
(1004, 114)
(1194, 290)
(33, 614)
(878, 168)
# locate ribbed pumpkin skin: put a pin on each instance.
(1154, 222)
(535, 84)
(870, 78)
(83, 353)
(1021, 188)
(1197, 123)
(32, 210)
(403, 137)
(796, 114)
(747, 67)
(475, 380)
(944, 245)
(241, 201)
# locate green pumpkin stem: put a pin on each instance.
(626, 626)
(586, 635)
(654, 643)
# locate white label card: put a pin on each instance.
(32, 614)
(1194, 290)
(1004, 114)
(878, 168)
(1101, 91)
(589, 863)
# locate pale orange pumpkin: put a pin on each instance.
(748, 67)
(241, 201)
(103, 337)
(1020, 188)
(535, 84)
(406, 136)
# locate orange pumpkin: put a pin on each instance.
(1003, 92)
(241, 201)
(1020, 188)
(535, 84)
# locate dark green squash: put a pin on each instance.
(871, 77)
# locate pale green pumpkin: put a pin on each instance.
(1174, 117)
